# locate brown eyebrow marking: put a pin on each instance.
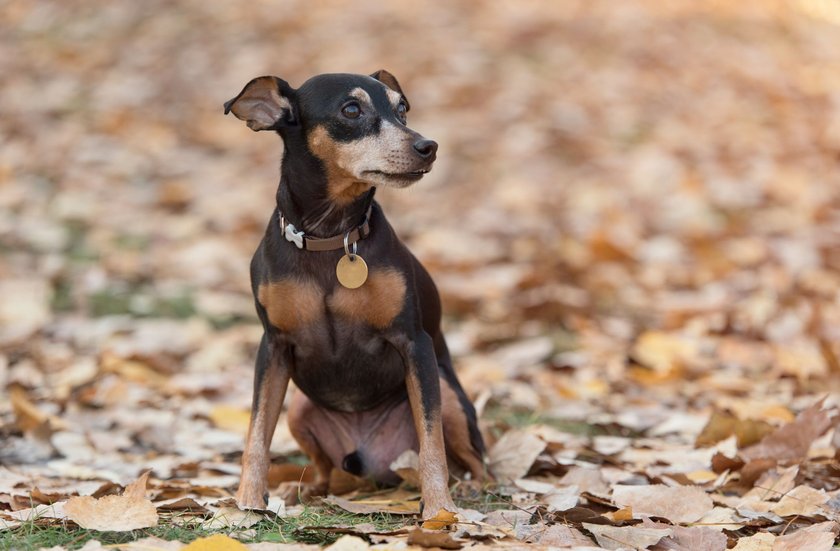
(393, 96)
(360, 95)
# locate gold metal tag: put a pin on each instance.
(352, 271)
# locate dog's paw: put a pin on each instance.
(251, 498)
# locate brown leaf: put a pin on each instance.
(368, 506)
(722, 425)
(123, 513)
(433, 538)
(791, 442)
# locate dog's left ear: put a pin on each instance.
(266, 103)
(390, 81)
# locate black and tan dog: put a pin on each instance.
(349, 313)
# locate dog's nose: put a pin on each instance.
(426, 148)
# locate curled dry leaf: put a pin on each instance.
(123, 513)
(676, 503)
(443, 519)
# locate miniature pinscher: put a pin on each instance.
(349, 313)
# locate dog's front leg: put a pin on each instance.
(423, 384)
(271, 379)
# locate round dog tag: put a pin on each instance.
(352, 271)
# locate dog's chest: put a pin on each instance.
(297, 304)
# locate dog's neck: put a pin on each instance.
(303, 201)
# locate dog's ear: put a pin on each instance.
(390, 81)
(266, 103)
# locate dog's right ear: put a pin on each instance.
(266, 103)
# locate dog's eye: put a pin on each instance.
(401, 110)
(351, 110)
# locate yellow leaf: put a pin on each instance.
(216, 542)
(701, 477)
(231, 418)
(621, 515)
(441, 520)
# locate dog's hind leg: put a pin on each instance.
(301, 416)
(458, 433)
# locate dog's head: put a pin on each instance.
(355, 125)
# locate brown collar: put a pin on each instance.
(303, 241)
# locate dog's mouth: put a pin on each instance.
(412, 175)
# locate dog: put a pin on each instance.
(349, 314)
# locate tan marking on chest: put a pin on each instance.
(291, 303)
(377, 302)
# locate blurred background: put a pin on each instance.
(635, 208)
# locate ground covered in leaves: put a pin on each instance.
(634, 222)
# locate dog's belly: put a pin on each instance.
(350, 370)
(363, 443)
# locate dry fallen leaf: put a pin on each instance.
(513, 454)
(123, 513)
(443, 519)
(722, 425)
(693, 538)
(623, 537)
(817, 537)
(407, 466)
(802, 500)
(761, 541)
(368, 506)
(216, 542)
(678, 504)
(348, 543)
(433, 538)
(791, 442)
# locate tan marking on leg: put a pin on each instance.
(434, 473)
(456, 433)
(291, 303)
(377, 302)
(255, 456)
